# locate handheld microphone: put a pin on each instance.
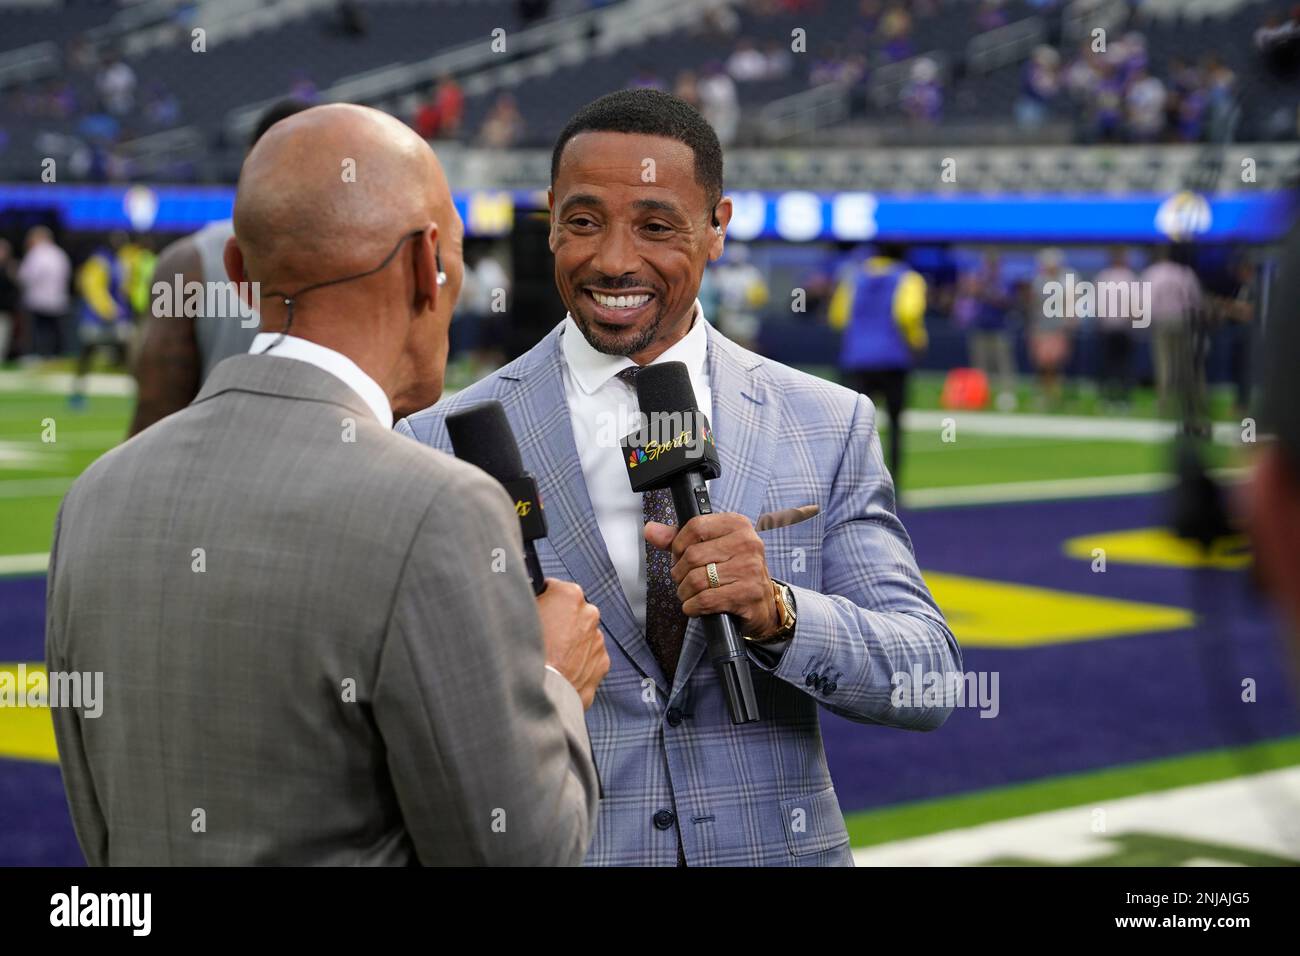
(675, 450)
(481, 435)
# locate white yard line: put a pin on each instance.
(1014, 491)
(34, 487)
(24, 563)
(1060, 426)
(60, 383)
(1255, 812)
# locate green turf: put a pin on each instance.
(1078, 397)
(32, 485)
(870, 827)
(31, 488)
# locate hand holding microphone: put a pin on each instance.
(676, 450)
(571, 635)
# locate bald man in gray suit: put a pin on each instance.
(317, 638)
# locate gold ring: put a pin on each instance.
(713, 575)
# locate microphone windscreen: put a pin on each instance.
(665, 387)
(481, 435)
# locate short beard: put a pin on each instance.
(610, 345)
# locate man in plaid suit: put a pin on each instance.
(829, 600)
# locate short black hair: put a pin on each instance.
(650, 113)
(274, 113)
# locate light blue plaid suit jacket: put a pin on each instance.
(669, 758)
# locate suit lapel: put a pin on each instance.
(746, 423)
(546, 446)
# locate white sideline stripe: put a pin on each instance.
(60, 383)
(1061, 426)
(1013, 491)
(24, 563)
(34, 487)
(1254, 812)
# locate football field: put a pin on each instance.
(1143, 713)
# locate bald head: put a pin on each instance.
(327, 194)
(329, 191)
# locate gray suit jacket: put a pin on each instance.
(318, 645)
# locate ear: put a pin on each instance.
(426, 269)
(550, 208)
(233, 259)
(717, 236)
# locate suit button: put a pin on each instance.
(830, 688)
(821, 683)
(811, 679)
(674, 716)
(664, 819)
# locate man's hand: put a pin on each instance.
(571, 636)
(731, 543)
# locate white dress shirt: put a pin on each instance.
(604, 410)
(336, 363)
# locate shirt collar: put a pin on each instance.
(592, 369)
(336, 363)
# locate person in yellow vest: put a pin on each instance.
(880, 309)
(105, 314)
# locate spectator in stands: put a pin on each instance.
(984, 304)
(426, 120)
(44, 276)
(161, 108)
(450, 101)
(895, 33)
(1221, 98)
(1051, 327)
(686, 89)
(719, 103)
(747, 63)
(1116, 334)
(1040, 82)
(990, 15)
(1175, 301)
(303, 89)
(116, 86)
(8, 298)
(922, 95)
(1144, 104)
(504, 125)
(646, 79)
(780, 61)
(1186, 104)
(880, 307)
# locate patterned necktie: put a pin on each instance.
(665, 624)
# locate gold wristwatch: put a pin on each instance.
(785, 612)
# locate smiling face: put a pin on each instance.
(630, 253)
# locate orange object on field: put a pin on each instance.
(966, 388)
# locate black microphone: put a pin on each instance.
(675, 449)
(481, 435)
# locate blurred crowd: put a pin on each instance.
(49, 309)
